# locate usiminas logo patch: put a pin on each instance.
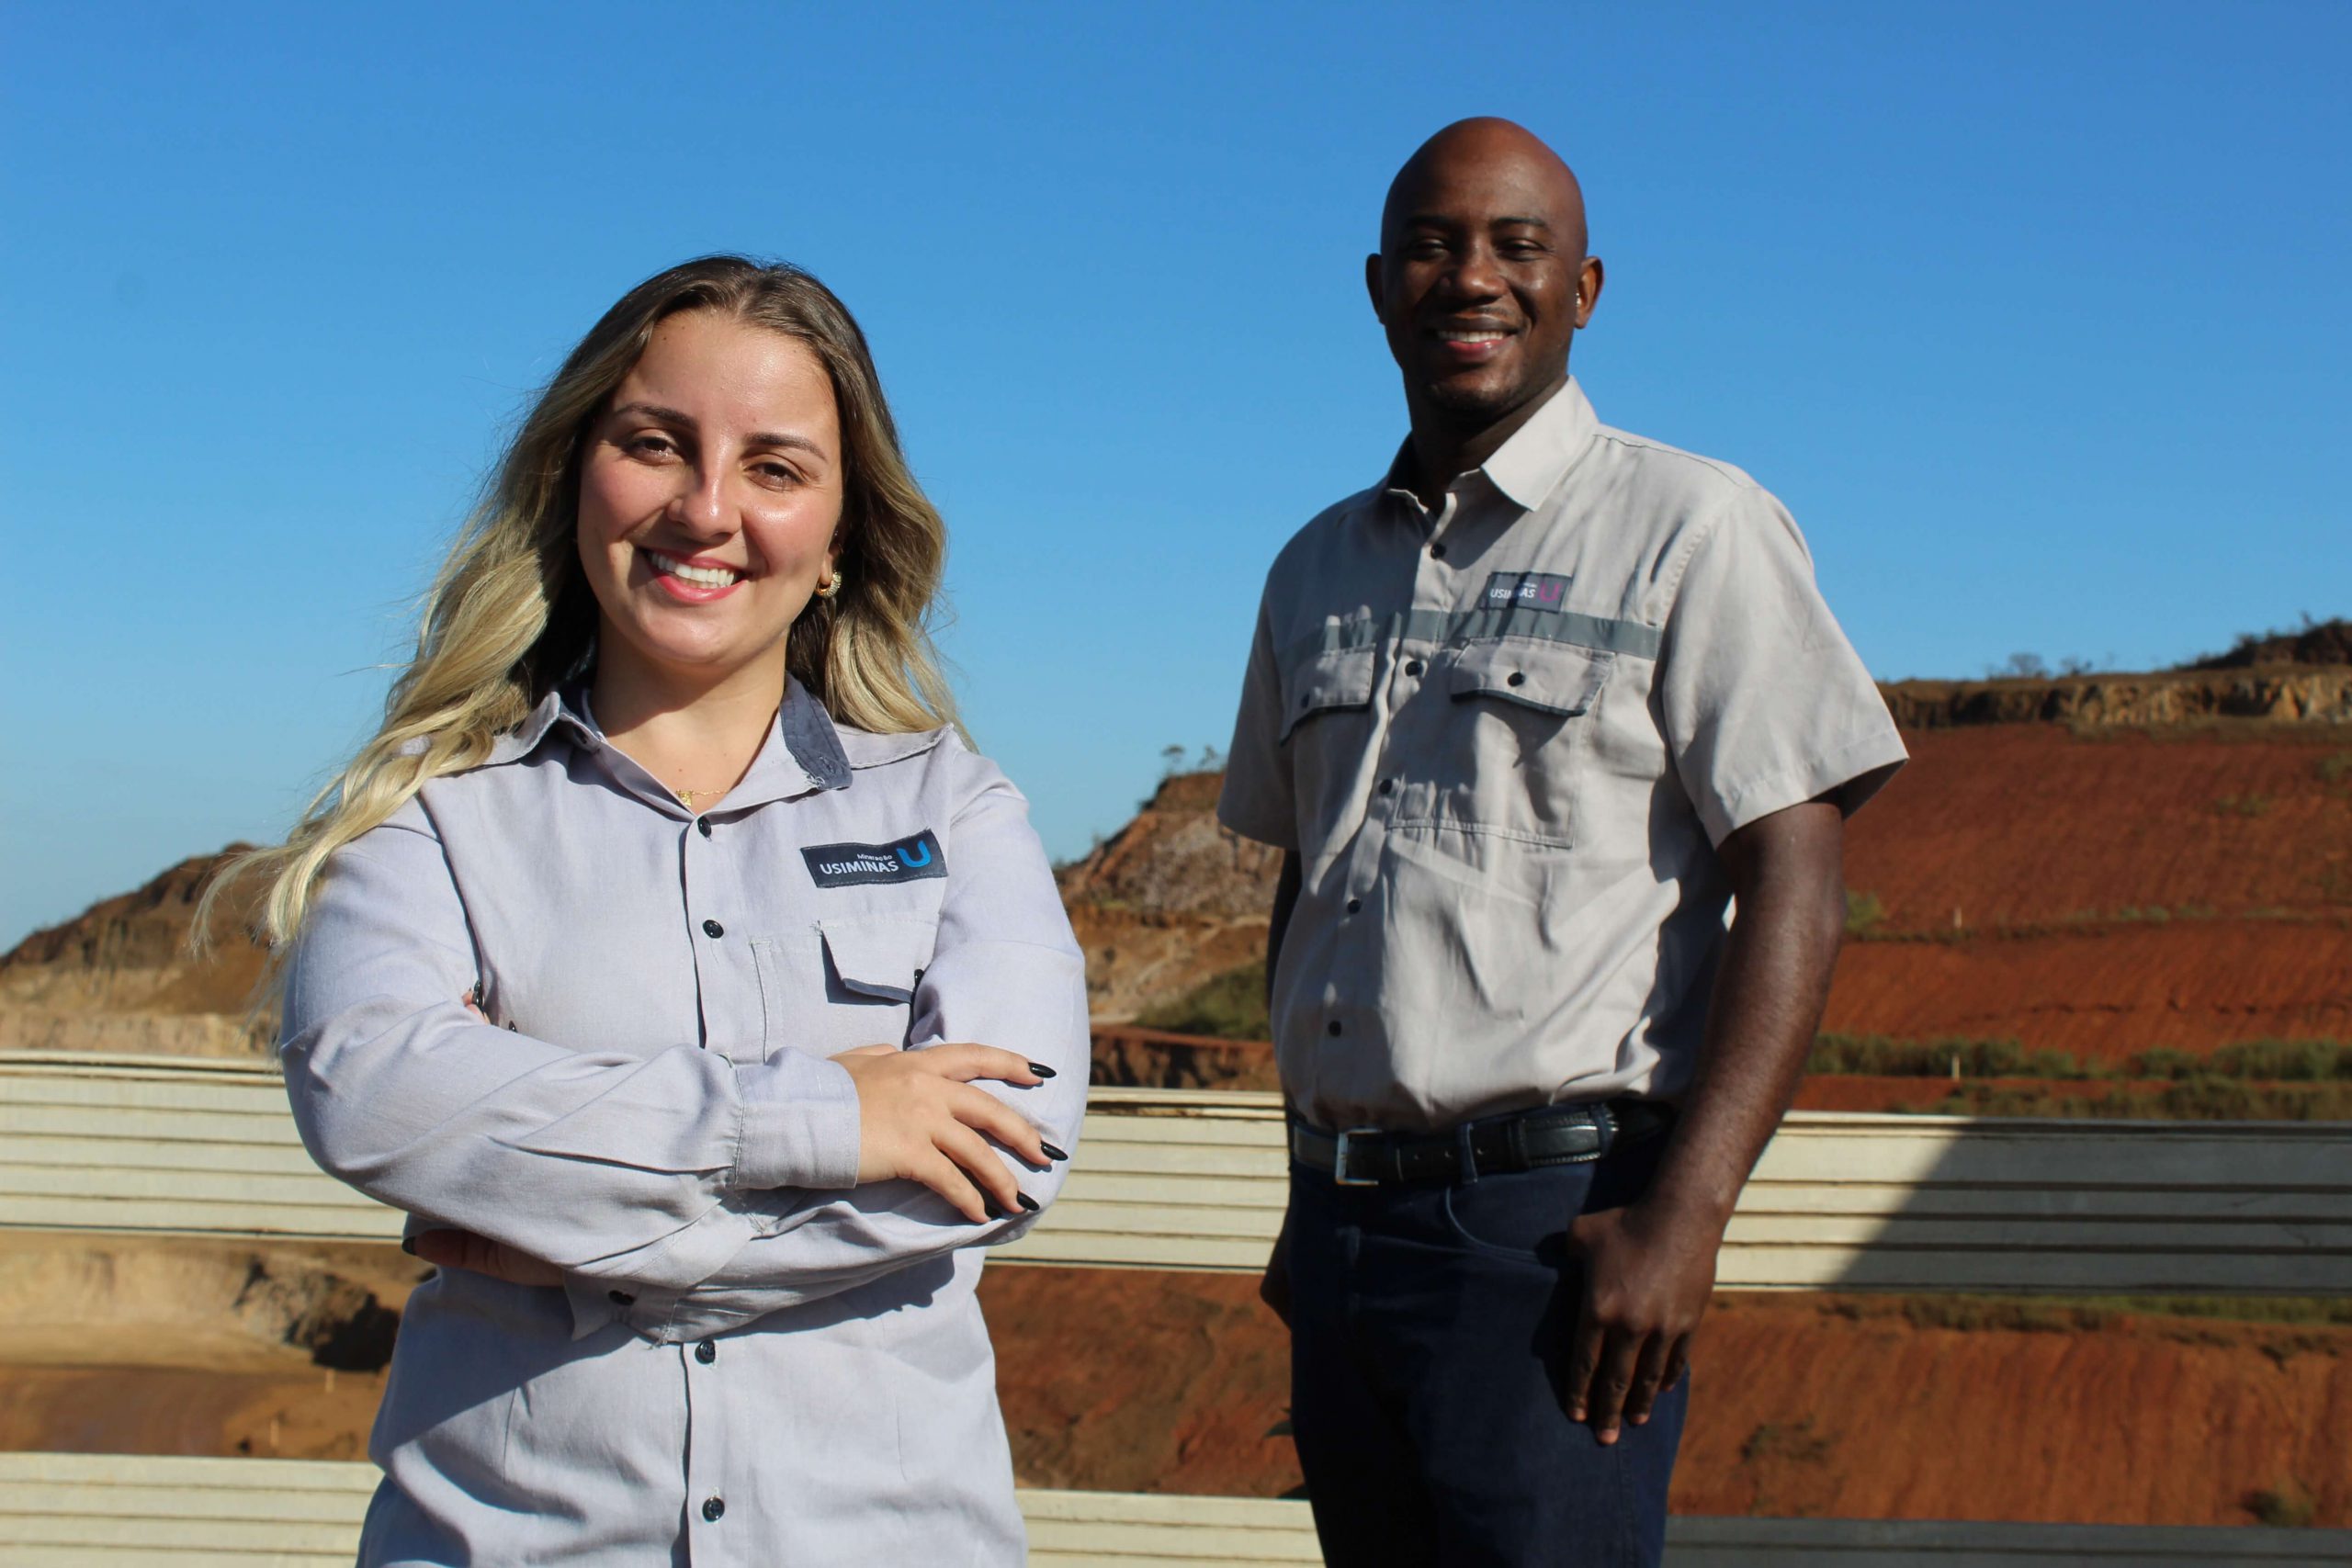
(1525, 591)
(851, 865)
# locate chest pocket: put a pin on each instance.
(1329, 681)
(1326, 730)
(1516, 728)
(854, 986)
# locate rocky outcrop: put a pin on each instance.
(1175, 858)
(1169, 901)
(2278, 692)
(118, 978)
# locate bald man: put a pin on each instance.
(1527, 717)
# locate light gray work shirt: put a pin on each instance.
(754, 1363)
(1504, 738)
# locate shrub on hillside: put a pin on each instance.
(2314, 642)
(1231, 1006)
(2201, 1099)
(1878, 1056)
(1864, 913)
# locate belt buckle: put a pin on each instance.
(1339, 1177)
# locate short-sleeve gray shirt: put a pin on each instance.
(1504, 738)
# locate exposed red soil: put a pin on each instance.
(1125, 1380)
(1834, 1407)
(2106, 994)
(2013, 824)
(1174, 858)
(1136, 959)
(1129, 1380)
(2143, 1420)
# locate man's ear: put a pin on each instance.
(1371, 285)
(1589, 277)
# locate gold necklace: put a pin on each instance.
(687, 797)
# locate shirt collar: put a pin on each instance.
(524, 738)
(1529, 466)
(810, 757)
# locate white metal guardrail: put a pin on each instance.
(1189, 1180)
(136, 1511)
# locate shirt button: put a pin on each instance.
(1355, 905)
(620, 1298)
(702, 825)
(1333, 1027)
(1414, 667)
(712, 928)
(705, 1352)
(1388, 785)
(712, 1507)
(1516, 678)
(1436, 552)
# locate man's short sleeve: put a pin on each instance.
(1257, 801)
(1766, 704)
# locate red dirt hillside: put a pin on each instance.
(2104, 891)
(2037, 823)
(1834, 1407)
(2097, 864)
(1134, 1380)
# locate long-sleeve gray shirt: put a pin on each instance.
(753, 1362)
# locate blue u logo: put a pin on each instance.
(916, 858)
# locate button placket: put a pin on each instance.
(706, 1431)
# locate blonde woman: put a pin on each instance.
(669, 958)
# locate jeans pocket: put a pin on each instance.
(1522, 1217)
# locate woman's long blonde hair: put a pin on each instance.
(509, 614)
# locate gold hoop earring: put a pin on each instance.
(831, 587)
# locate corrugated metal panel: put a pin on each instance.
(109, 1511)
(1188, 1179)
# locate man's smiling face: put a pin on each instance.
(1480, 282)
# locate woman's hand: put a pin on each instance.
(920, 1119)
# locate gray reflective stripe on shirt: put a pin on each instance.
(1569, 626)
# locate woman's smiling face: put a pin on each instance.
(710, 496)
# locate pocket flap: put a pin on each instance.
(880, 957)
(1550, 677)
(1335, 677)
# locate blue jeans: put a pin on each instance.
(1429, 1332)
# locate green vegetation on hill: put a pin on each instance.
(2073, 1313)
(2202, 1099)
(1231, 1006)
(1875, 1055)
(2314, 642)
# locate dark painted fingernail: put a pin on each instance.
(1051, 1152)
(991, 1209)
(1027, 1202)
(1043, 1071)
(408, 1244)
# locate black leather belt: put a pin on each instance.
(1550, 1134)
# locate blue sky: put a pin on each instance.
(2034, 314)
